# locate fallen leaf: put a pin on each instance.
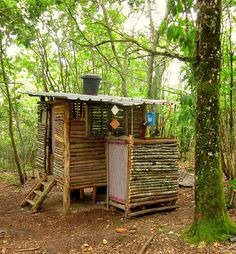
(121, 230)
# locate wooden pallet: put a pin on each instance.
(38, 193)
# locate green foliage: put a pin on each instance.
(181, 29)
(187, 113)
(185, 124)
(17, 18)
(233, 184)
(25, 119)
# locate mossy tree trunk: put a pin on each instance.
(211, 221)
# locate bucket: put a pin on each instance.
(151, 119)
(91, 84)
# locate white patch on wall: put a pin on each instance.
(114, 110)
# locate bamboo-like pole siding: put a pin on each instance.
(153, 178)
(58, 162)
(41, 148)
(42, 136)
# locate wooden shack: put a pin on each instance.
(99, 140)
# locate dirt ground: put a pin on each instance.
(91, 228)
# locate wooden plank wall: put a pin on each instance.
(87, 156)
(77, 129)
(88, 164)
(138, 121)
(153, 175)
(58, 169)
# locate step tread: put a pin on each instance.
(38, 192)
(30, 201)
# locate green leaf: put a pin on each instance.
(233, 184)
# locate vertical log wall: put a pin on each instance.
(58, 162)
(42, 140)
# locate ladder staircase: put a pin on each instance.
(38, 193)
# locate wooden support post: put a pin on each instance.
(86, 120)
(126, 118)
(129, 166)
(52, 138)
(132, 120)
(46, 145)
(66, 187)
(144, 126)
(94, 194)
(107, 170)
(81, 193)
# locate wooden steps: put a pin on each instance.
(38, 193)
(31, 202)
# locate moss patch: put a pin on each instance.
(210, 230)
(9, 178)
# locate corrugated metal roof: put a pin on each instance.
(125, 101)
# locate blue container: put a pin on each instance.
(151, 119)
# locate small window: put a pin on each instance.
(99, 120)
(100, 117)
(78, 111)
(43, 116)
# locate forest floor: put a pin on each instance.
(92, 228)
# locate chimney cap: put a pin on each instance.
(90, 76)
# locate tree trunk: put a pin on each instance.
(211, 221)
(155, 70)
(157, 79)
(231, 53)
(122, 71)
(10, 114)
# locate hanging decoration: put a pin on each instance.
(114, 110)
(114, 124)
